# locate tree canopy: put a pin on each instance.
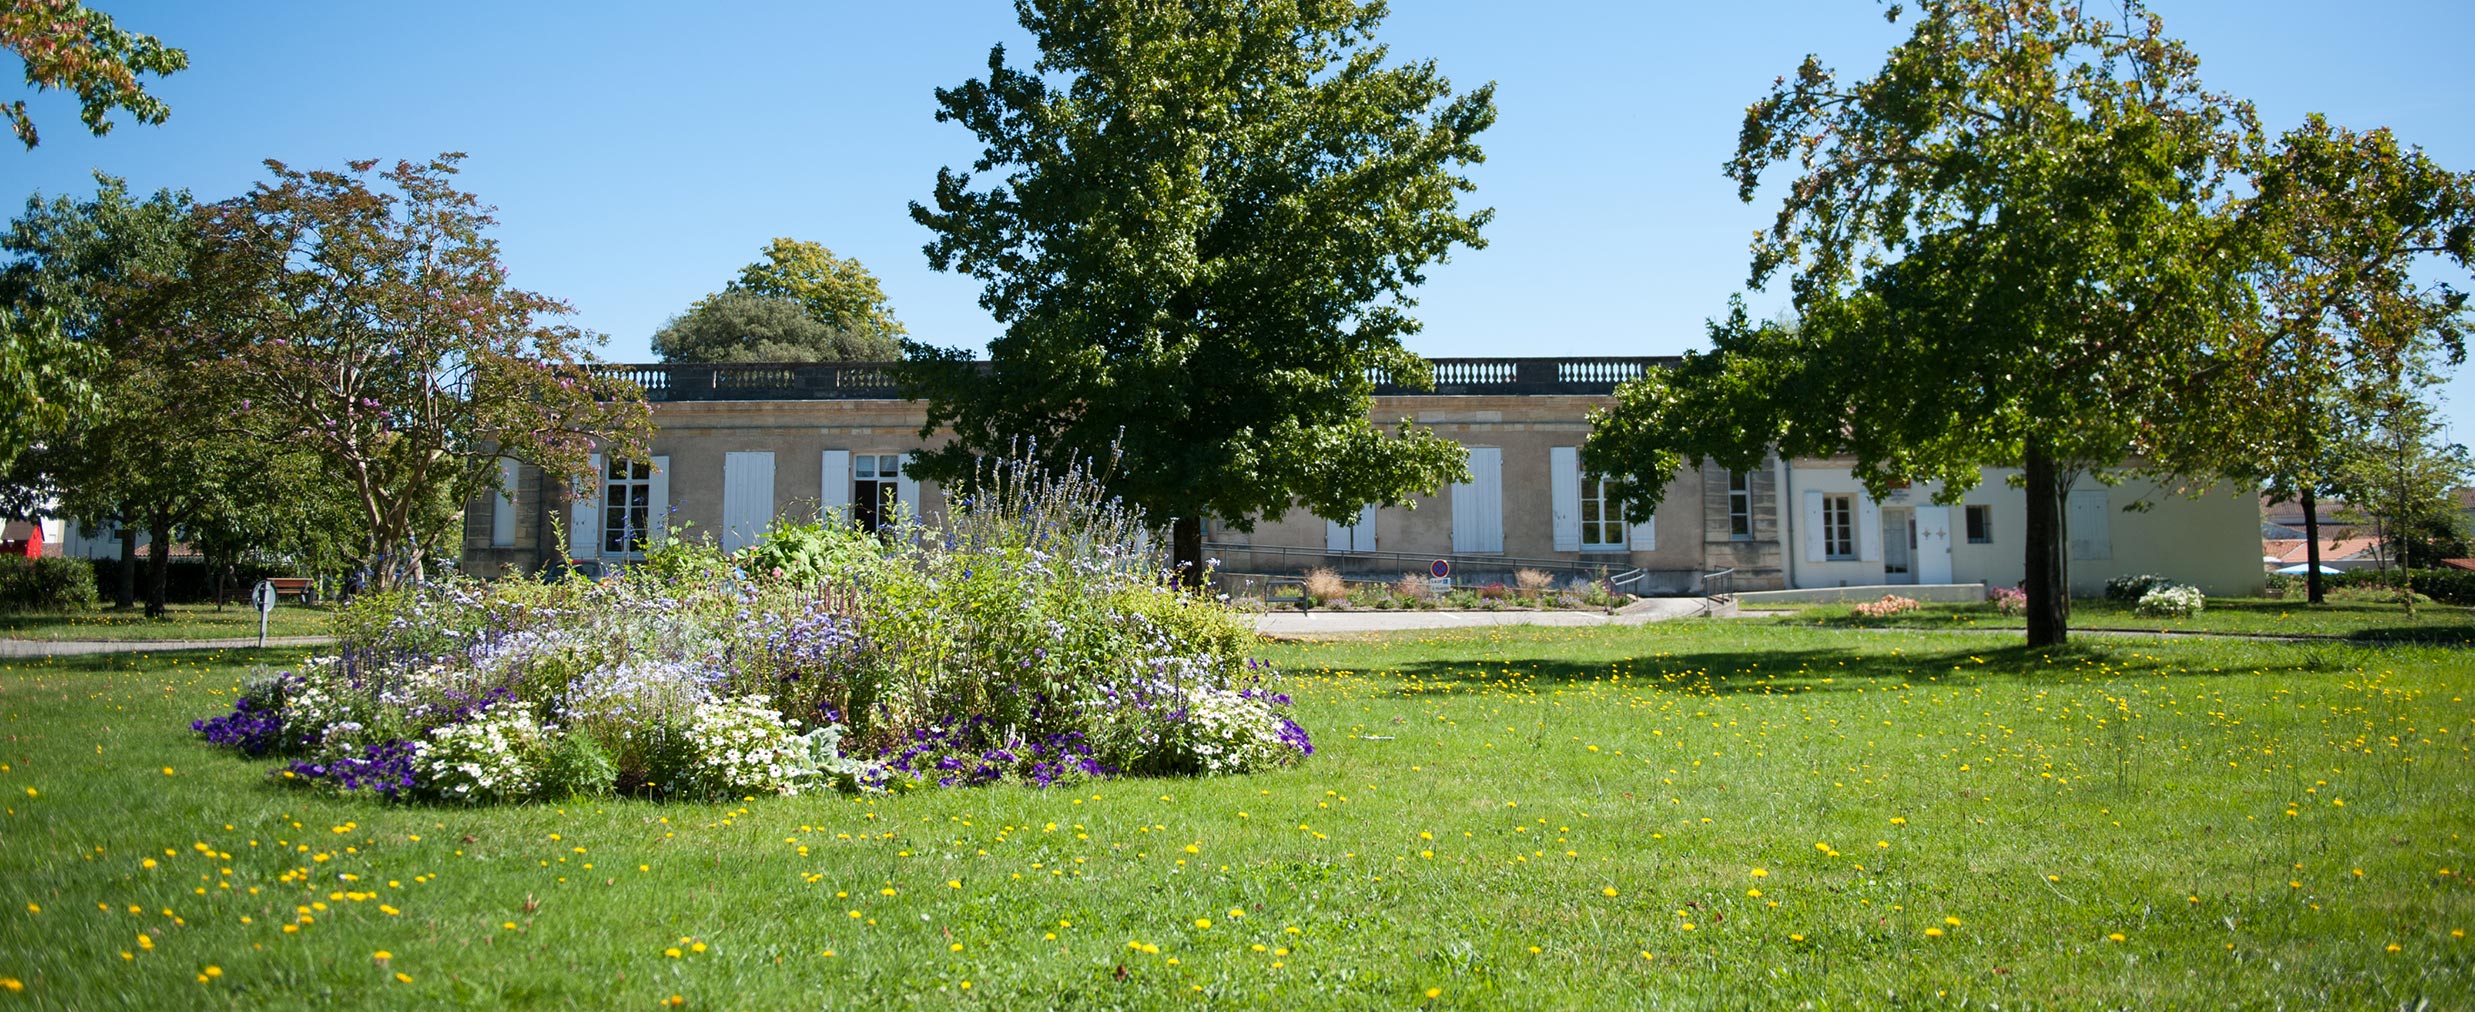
(153, 449)
(64, 45)
(1204, 228)
(2352, 301)
(742, 326)
(836, 291)
(2005, 248)
(375, 326)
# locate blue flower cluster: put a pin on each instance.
(384, 768)
(952, 753)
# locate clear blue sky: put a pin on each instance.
(640, 153)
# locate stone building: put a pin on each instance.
(739, 446)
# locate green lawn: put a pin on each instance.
(184, 622)
(2354, 618)
(1689, 815)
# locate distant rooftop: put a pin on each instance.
(829, 381)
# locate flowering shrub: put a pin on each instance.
(494, 757)
(2169, 601)
(1031, 636)
(2130, 589)
(1889, 605)
(742, 746)
(2008, 600)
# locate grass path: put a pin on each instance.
(182, 622)
(1686, 815)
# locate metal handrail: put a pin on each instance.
(1725, 580)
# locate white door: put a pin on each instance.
(1898, 545)
(747, 498)
(1933, 544)
(1478, 505)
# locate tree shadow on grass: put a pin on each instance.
(1830, 668)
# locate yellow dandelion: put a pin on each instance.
(1610, 891)
(1933, 932)
(1952, 921)
(1761, 873)
(1435, 992)
(214, 971)
(672, 952)
(403, 978)
(2116, 937)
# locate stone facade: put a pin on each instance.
(737, 447)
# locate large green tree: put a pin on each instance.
(2360, 229)
(836, 291)
(65, 45)
(1205, 226)
(371, 322)
(154, 449)
(2005, 248)
(741, 326)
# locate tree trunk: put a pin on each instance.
(2049, 596)
(158, 563)
(1186, 551)
(125, 595)
(2311, 550)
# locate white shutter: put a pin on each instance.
(657, 503)
(1816, 540)
(503, 510)
(833, 501)
(2084, 520)
(584, 525)
(1355, 536)
(747, 498)
(907, 489)
(1564, 496)
(1868, 529)
(1478, 506)
(1645, 535)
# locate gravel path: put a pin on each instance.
(1318, 623)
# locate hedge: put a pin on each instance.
(45, 584)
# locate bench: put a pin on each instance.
(300, 588)
(1288, 590)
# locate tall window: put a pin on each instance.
(1980, 525)
(627, 502)
(876, 480)
(1740, 505)
(1602, 521)
(1839, 526)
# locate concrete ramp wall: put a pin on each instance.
(1937, 593)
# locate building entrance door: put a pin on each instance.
(1898, 545)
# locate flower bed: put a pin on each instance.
(1026, 638)
(1888, 606)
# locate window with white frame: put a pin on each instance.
(1838, 527)
(1980, 525)
(627, 506)
(876, 484)
(1739, 505)
(1602, 519)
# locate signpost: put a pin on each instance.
(1441, 570)
(263, 595)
